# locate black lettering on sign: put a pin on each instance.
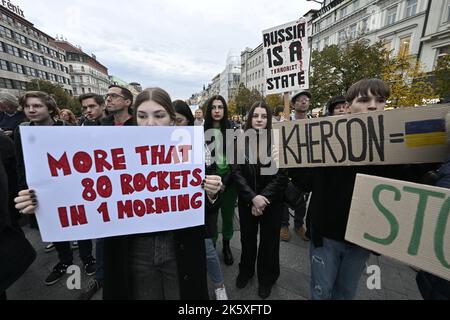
(341, 141)
(324, 140)
(374, 140)
(286, 141)
(312, 142)
(363, 138)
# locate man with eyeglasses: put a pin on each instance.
(300, 102)
(118, 104)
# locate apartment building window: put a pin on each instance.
(329, 20)
(411, 8)
(391, 15)
(23, 40)
(326, 41)
(404, 45)
(353, 31)
(388, 45)
(16, 68)
(365, 25)
(3, 65)
(343, 12)
(341, 36)
(5, 83)
(356, 5)
(8, 33)
(16, 51)
(1, 47)
(448, 12)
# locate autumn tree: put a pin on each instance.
(408, 82)
(274, 100)
(232, 108)
(442, 77)
(62, 98)
(337, 67)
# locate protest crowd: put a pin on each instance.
(182, 263)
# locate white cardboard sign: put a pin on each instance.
(405, 221)
(97, 182)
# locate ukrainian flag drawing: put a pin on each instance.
(425, 133)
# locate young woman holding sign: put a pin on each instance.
(260, 205)
(154, 266)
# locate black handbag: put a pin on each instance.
(16, 255)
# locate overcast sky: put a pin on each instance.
(178, 45)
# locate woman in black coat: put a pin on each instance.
(260, 205)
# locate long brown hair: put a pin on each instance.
(157, 95)
(259, 104)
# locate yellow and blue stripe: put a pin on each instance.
(425, 133)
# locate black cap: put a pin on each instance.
(302, 93)
(333, 102)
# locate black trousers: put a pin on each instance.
(65, 253)
(267, 255)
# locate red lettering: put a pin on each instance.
(172, 156)
(162, 183)
(149, 182)
(82, 162)
(125, 208)
(103, 210)
(162, 205)
(78, 215)
(139, 208)
(150, 206)
(118, 158)
(125, 180)
(173, 203)
(196, 204)
(183, 202)
(61, 164)
(158, 155)
(104, 187)
(185, 174)
(63, 218)
(143, 152)
(175, 183)
(196, 174)
(185, 152)
(88, 192)
(139, 182)
(100, 161)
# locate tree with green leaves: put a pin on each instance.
(442, 77)
(62, 98)
(243, 99)
(408, 82)
(337, 67)
(274, 100)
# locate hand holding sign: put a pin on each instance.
(26, 202)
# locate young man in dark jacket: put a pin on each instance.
(336, 265)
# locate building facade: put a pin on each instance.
(436, 38)
(27, 53)
(87, 74)
(230, 77)
(252, 69)
(415, 27)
